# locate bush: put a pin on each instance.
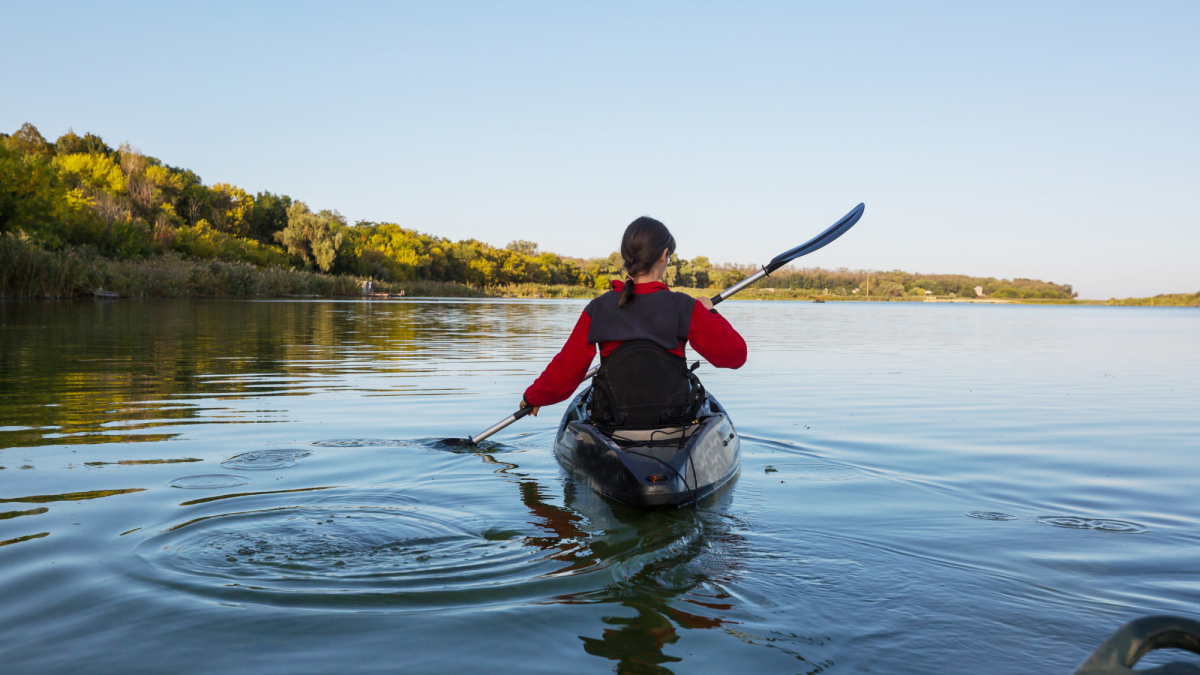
(28, 270)
(202, 242)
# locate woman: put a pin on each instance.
(641, 327)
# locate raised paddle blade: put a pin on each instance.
(820, 241)
(836, 230)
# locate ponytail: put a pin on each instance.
(644, 242)
(626, 293)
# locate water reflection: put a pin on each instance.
(71, 496)
(659, 560)
(17, 540)
(113, 372)
(5, 515)
(138, 462)
(894, 523)
(680, 556)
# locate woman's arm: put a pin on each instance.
(714, 338)
(566, 370)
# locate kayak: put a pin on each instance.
(650, 468)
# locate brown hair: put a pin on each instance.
(643, 244)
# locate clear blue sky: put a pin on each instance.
(1049, 140)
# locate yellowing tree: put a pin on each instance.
(99, 172)
(230, 208)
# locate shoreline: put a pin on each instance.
(32, 272)
(432, 290)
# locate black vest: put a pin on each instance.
(641, 384)
(662, 317)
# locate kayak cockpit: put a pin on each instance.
(650, 468)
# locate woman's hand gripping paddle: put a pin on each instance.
(474, 440)
(820, 241)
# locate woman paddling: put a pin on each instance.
(641, 327)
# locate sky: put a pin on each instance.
(1055, 141)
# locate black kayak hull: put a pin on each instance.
(653, 468)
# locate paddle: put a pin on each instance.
(818, 242)
(821, 240)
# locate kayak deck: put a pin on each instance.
(650, 468)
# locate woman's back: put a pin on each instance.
(644, 311)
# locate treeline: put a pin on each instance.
(874, 283)
(78, 192)
(695, 273)
(83, 199)
(1166, 300)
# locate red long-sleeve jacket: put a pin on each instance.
(709, 332)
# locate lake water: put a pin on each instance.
(254, 487)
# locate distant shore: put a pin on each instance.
(28, 271)
(794, 295)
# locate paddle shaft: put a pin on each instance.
(738, 286)
(515, 416)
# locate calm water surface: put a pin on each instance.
(256, 487)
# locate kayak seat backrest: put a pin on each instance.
(640, 385)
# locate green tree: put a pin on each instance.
(71, 143)
(31, 197)
(727, 278)
(268, 215)
(523, 247)
(311, 236)
(29, 141)
(698, 269)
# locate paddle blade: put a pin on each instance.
(820, 241)
(457, 442)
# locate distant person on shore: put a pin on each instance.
(641, 327)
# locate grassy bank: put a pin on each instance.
(30, 271)
(543, 291)
(1171, 300)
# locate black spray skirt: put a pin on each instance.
(652, 468)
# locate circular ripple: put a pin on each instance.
(990, 515)
(1101, 524)
(819, 472)
(490, 447)
(263, 460)
(363, 443)
(389, 556)
(208, 481)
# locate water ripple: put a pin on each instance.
(1101, 524)
(208, 481)
(426, 443)
(820, 472)
(364, 443)
(264, 460)
(375, 549)
(990, 515)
